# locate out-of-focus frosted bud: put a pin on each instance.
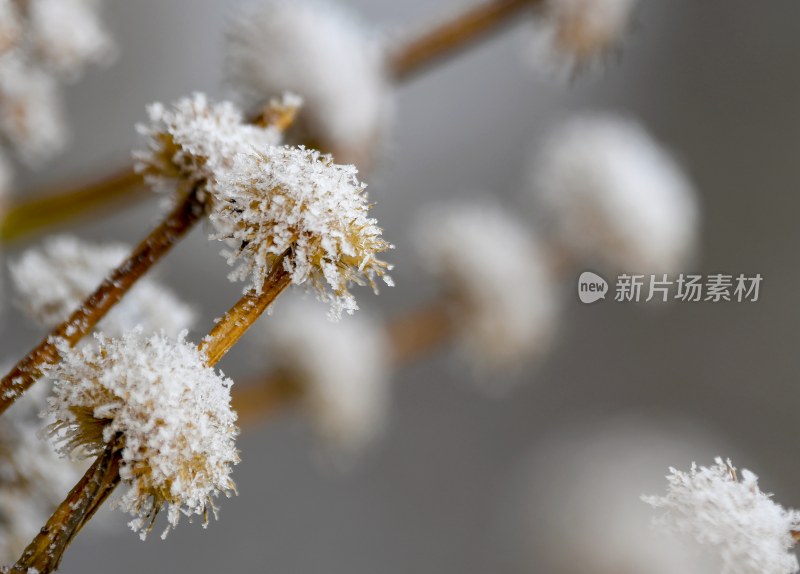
(610, 195)
(52, 281)
(172, 411)
(326, 54)
(753, 534)
(573, 33)
(576, 505)
(10, 25)
(499, 281)
(33, 479)
(292, 206)
(31, 114)
(343, 370)
(68, 35)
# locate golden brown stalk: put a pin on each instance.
(99, 303)
(454, 35)
(58, 206)
(47, 548)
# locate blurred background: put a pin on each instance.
(453, 486)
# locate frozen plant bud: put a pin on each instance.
(294, 207)
(193, 142)
(342, 368)
(608, 193)
(323, 52)
(68, 35)
(52, 281)
(576, 31)
(753, 534)
(499, 281)
(172, 411)
(31, 114)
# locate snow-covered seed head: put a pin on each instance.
(715, 506)
(342, 369)
(31, 111)
(193, 142)
(499, 281)
(52, 281)
(324, 53)
(68, 35)
(610, 195)
(172, 411)
(576, 32)
(294, 207)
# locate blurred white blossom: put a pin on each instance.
(609, 194)
(52, 281)
(325, 53)
(712, 504)
(171, 409)
(343, 369)
(500, 282)
(294, 203)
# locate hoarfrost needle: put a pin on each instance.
(173, 414)
(752, 533)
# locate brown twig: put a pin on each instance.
(58, 206)
(95, 307)
(454, 35)
(46, 550)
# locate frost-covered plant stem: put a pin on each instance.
(418, 53)
(450, 37)
(45, 552)
(188, 212)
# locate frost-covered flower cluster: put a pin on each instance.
(43, 43)
(194, 142)
(324, 53)
(172, 411)
(343, 370)
(52, 281)
(712, 504)
(573, 33)
(33, 478)
(609, 194)
(292, 206)
(500, 281)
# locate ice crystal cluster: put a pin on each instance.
(43, 43)
(33, 479)
(172, 411)
(343, 370)
(500, 281)
(610, 194)
(194, 143)
(324, 53)
(54, 280)
(574, 33)
(294, 207)
(576, 508)
(712, 504)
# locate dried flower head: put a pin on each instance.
(752, 533)
(194, 142)
(52, 281)
(323, 52)
(610, 194)
(31, 114)
(295, 205)
(343, 369)
(577, 32)
(498, 279)
(172, 411)
(68, 35)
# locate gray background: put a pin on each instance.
(717, 81)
